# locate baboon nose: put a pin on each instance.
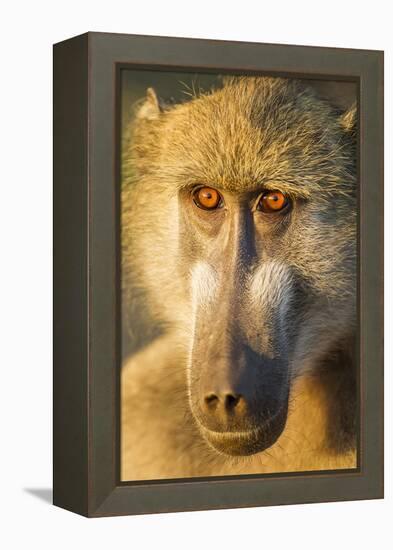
(225, 410)
(226, 401)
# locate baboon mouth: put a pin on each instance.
(248, 442)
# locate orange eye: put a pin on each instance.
(207, 198)
(272, 201)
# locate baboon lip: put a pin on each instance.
(248, 442)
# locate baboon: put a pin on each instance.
(239, 283)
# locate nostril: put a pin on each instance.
(211, 400)
(231, 401)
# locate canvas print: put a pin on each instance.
(238, 232)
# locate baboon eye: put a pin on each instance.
(272, 201)
(207, 198)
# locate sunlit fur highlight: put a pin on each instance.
(204, 282)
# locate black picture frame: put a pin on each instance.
(86, 273)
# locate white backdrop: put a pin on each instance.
(27, 31)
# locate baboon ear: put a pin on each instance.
(349, 121)
(151, 108)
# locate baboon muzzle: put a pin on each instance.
(238, 362)
(239, 396)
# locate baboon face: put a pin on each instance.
(258, 178)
